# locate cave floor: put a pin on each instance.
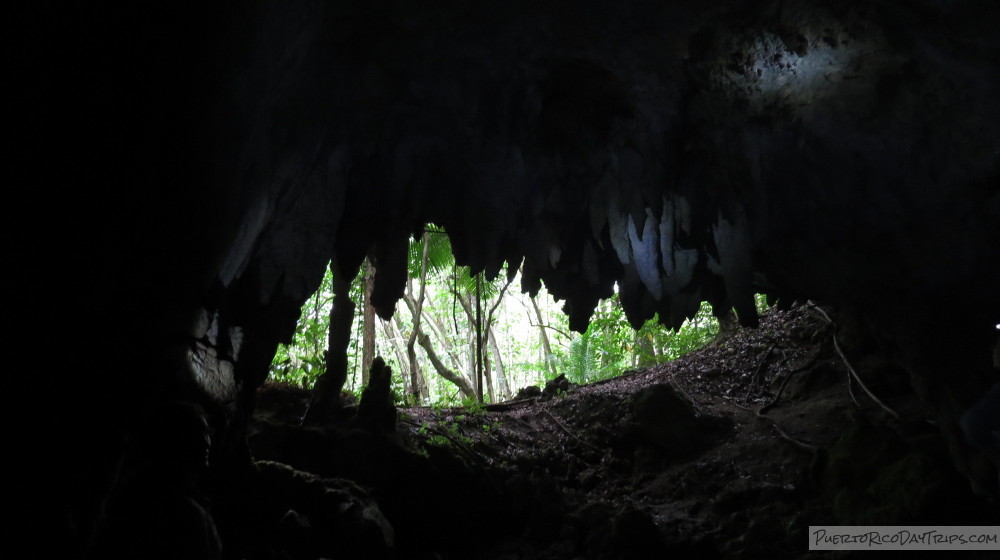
(731, 451)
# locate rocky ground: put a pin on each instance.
(732, 451)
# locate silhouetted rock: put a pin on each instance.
(669, 423)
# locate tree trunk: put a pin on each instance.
(441, 333)
(436, 329)
(644, 353)
(474, 361)
(502, 383)
(455, 377)
(395, 337)
(484, 334)
(407, 381)
(488, 337)
(546, 347)
(488, 375)
(479, 337)
(470, 360)
(418, 391)
(368, 335)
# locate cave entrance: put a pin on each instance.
(526, 339)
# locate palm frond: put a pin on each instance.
(439, 256)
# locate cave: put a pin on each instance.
(182, 175)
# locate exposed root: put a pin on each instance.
(797, 442)
(466, 450)
(762, 410)
(755, 380)
(676, 385)
(850, 369)
(568, 432)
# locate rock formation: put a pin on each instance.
(186, 173)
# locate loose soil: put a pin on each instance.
(731, 451)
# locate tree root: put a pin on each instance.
(755, 380)
(762, 411)
(676, 385)
(568, 432)
(852, 373)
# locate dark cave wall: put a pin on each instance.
(209, 162)
(805, 149)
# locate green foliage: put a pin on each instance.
(469, 406)
(587, 361)
(439, 257)
(445, 434)
(441, 265)
(764, 302)
(303, 360)
(670, 345)
(438, 407)
(474, 407)
(608, 347)
(614, 335)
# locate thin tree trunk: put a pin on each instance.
(436, 330)
(474, 363)
(368, 317)
(645, 353)
(411, 351)
(471, 359)
(502, 383)
(489, 337)
(440, 332)
(479, 338)
(488, 374)
(545, 337)
(395, 337)
(455, 377)
(485, 335)
(403, 357)
(317, 309)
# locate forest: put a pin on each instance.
(447, 317)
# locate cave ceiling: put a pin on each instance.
(685, 151)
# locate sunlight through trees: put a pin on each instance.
(525, 340)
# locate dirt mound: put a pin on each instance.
(731, 451)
